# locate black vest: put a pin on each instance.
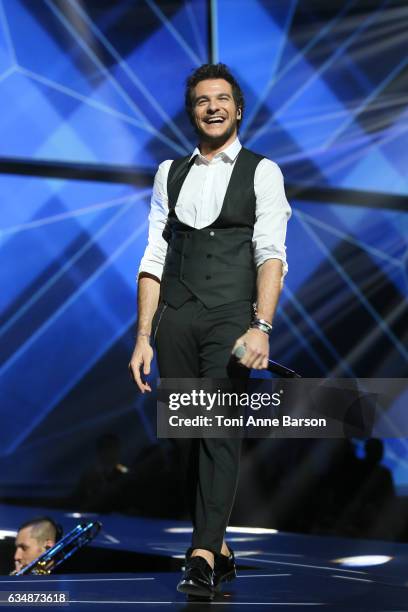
(215, 263)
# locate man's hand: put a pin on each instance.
(142, 357)
(257, 349)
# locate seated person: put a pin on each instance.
(33, 539)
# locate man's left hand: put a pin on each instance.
(257, 349)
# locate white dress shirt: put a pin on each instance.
(200, 202)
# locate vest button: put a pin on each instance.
(212, 234)
(207, 277)
(209, 255)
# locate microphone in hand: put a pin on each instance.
(273, 366)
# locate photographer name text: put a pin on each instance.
(250, 421)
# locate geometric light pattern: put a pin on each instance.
(103, 83)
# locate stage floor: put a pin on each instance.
(279, 570)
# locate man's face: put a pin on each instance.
(27, 548)
(215, 111)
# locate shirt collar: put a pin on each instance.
(229, 153)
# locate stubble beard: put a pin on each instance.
(216, 141)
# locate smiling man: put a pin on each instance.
(215, 113)
(216, 245)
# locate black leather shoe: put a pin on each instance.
(198, 578)
(224, 568)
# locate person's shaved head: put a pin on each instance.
(41, 529)
(33, 539)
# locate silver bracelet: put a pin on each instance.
(262, 325)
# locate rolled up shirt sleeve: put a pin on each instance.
(156, 249)
(272, 214)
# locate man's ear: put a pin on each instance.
(239, 113)
(48, 544)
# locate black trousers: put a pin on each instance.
(195, 342)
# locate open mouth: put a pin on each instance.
(214, 120)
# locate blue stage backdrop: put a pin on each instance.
(92, 100)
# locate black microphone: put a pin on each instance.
(277, 368)
(273, 366)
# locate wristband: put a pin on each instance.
(262, 325)
(143, 334)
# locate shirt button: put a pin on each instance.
(212, 234)
(207, 277)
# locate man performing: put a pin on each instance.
(216, 245)
(33, 539)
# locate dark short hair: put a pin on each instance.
(212, 71)
(43, 528)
